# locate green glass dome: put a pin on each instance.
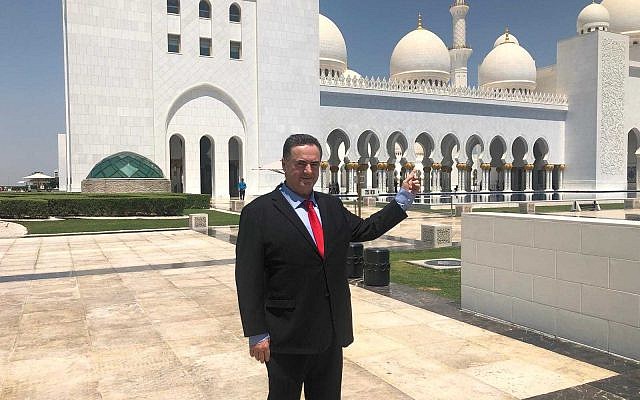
(125, 165)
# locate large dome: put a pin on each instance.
(593, 17)
(420, 56)
(625, 16)
(333, 50)
(508, 67)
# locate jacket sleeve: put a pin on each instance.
(250, 272)
(377, 224)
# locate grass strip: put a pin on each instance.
(445, 283)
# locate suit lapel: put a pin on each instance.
(283, 206)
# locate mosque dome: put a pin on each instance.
(125, 165)
(352, 74)
(625, 16)
(508, 66)
(420, 56)
(333, 50)
(593, 17)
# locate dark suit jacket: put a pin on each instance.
(284, 287)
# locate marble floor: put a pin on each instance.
(154, 316)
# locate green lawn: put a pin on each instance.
(216, 218)
(444, 283)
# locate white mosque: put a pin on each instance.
(202, 92)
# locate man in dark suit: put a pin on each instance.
(293, 292)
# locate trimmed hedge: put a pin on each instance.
(24, 208)
(201, 201)
(92, 205)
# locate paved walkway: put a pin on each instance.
(154, 316)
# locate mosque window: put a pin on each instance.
(173, 42)
(205, 9)
(326, 72)
(173, 6)
(235, 50)
(205, 46)
(234, 13)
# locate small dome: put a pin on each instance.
(624, 16)
(333, 50)
(593, 17)
(508, 66)
(420, 55)
(352, 74)
(125, 165)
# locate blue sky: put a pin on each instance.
(32, 77)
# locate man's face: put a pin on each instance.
(302, 168)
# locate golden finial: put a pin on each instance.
(506, 34)
(420, 21)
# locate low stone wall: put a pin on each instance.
(578, 279)
(125, 185)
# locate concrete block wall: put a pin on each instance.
(578, 279)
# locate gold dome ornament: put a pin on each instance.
(409, 165)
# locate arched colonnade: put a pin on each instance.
(453, 163)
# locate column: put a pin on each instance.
(426, 178)
(391, 167)
(528, 187)
(382, 183)
(548, 170)
(323, 175)
(486, 173)
(507, 176)
(436, 177)
(561, 168)
(461, 173)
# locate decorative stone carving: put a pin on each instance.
(382, 165)
(436, 235)
(436, 166)
(324, 164)
(612, 138)
(199, 223)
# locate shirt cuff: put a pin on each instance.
(254, 340)
(404, 198)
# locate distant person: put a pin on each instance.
(242, 187)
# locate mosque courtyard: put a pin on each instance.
(154, 316)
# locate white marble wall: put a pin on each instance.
(577, 279)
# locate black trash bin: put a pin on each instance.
(354, 260)
(376, 267)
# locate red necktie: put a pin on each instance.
(316, 227)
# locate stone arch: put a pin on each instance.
(497, 152)
(368, 149)
(397, 146)
(204, 90)
(633, 155)
(519, 150)
(207, 165)
(450, 150)
(235, 151)
(425, 141)
(177, 163)
(338, 144)
(540, 154)
(471, 145)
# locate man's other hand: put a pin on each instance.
(412, 183)
(260, 351)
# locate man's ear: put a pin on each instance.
(282, 161)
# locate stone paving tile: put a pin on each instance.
(174, 332)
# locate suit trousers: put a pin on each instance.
(320, 373)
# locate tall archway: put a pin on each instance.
(206, 165)
(540, 152)
(423, 158)
(519, 149)
(339, 144)
(474, 150)
(497, 151)
(235, 165)
(176, 163)
(450, 148)
(397, 147)
(368, 148)
(633, 153)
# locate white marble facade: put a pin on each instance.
(126, 92)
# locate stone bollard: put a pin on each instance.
(376, 267)
(436, 235)
(527, 207)
(463, 208)
(369, 201)
(199, 223)
(631, 204)
(355, 260)
(236, 205)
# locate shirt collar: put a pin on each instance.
(294, 198)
